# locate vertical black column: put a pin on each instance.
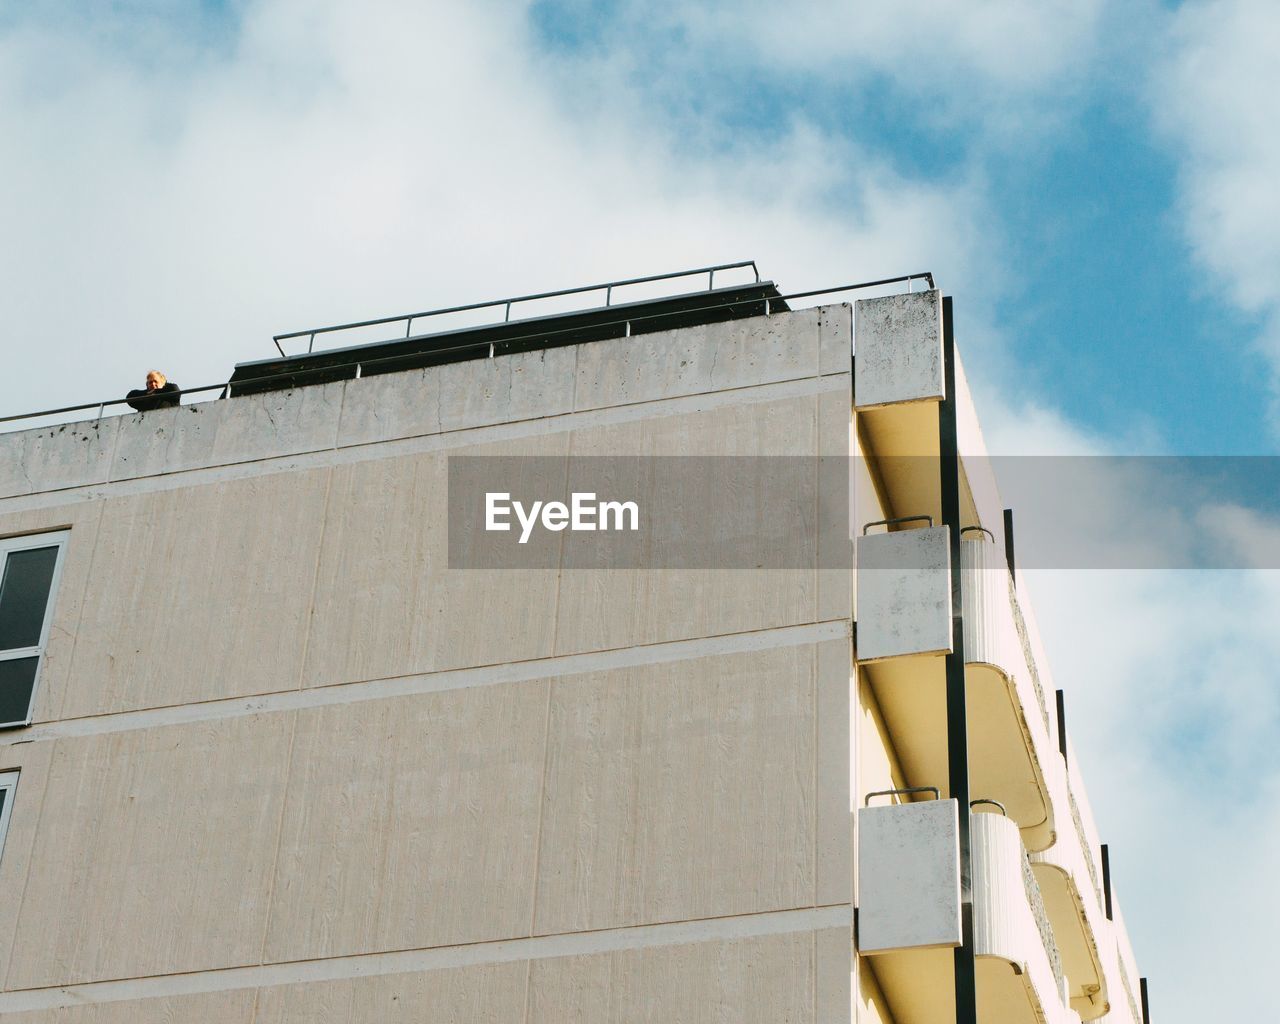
(1146, 1010)
(957, 720)
(1106, 879)
(1008, 545)
(1062, 726)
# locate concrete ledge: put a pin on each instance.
(50, 458)
(898, 340)
(223, 432)
(904, 594)
(909, 876)
(694, 360)
(515, 388)
(455, 396)
(835, 338)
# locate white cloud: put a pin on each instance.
(322, 165)
(1173, 709)
(1212, 99)
(1171, 695)
(1007, 43)
(1002, 65)
(174, 204)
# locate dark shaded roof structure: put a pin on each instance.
(599, 323)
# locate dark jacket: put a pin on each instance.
(163, 397)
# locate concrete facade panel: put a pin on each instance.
(457, 396)
(835, 339)
(773, 427)
(835, 548)
(386, 601)
(165, 617)
(31, 760)
(833, 977)
(608, 608)
(219, 433)
(235, 1007)
(697, 360)
(49, 458)
(679, 791)
(410, 822)
(908, 876)
(748, 981)
(153, 853)
(898, 347)
(834, 865)
(904, 593)
(489, 994)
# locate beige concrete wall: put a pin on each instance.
(306, 747)
(194, 586)
(208, 1008)
(609, 799)
(752, 980)
(152, 852)
(522, 388)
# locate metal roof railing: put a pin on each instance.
(356, 364)
(607, 287)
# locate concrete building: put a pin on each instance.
(273, 755)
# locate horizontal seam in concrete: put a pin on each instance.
(367, 965)
(416, 445)
(434, 682)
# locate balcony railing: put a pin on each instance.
(908, 874)
(1085, 850)
(1007, 708)
(1036, 899)
(355, 364)
(1028, 655)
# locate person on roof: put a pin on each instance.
(160, 393)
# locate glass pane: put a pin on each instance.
(17, 679)
(23, 596)
(3, 794)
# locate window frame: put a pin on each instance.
(9, 786)
(26, 542)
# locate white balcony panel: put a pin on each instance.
(1009, 718)
(904, 594)
(908, 876)
(1070, 879)
(1020, 975)
(898, 349)
(988, 625)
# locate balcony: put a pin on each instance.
(913, 897)
(1012, 756)
(904, 630)
(1020, 970)
(904, 591)
(898, 381)
(1070, 878)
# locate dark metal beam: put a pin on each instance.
(1146, 1010)
(1008, 544)
(1062, 727)
(1106, 879)
(966, 990)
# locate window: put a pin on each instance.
(28, 576)
(8, 784)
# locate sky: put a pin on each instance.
(1095, 181)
